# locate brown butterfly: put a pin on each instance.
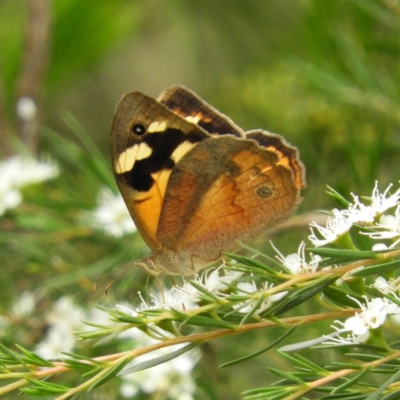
(194, 182)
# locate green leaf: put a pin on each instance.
(351, 346)
(342, 365)
(364, 357)
(344, 254)
(199, 320)
(350, 382)
(157, 360)
(304, 363)
(290, 377)
(383, 387)
(204, 291)
(341, 297)
(392, 396)
(253, 310)
(257, 353)
(267, 393)
(75, 362)
(345, 396)
(113, 371)
(34, 359)
(251, 262)
(342, 202)
(300, 296)
(378, 269)
(10, 356)
(130, 319)
(41, 388)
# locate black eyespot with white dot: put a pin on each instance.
(138, 129)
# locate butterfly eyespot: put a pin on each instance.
(264, 192)
(138, 129)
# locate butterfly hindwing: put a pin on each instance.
(245, 190)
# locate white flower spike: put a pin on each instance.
(335, 227)
(17, 172)
(296, 263)
(372, 316)
(111, 215)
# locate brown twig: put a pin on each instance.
(33, 70)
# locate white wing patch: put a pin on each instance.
(193, 120)
(157, 126)
(181, 150)
(128, 158)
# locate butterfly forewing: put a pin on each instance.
(143, 162)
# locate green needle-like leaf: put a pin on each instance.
(157, 360)
(112, 372)
(299, 297)
(378, 269)
(384, 386)
(344, 254)
(257, 353)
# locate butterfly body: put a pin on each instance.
(194, 182)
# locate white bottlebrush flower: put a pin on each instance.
(174, 298)
(24, 305)
(387, 287)
(388, 227)
(183, 297)
(248, 305)
(372, 316)
(57, 341)
(67, 314)
(216, 281)
(165, 301)
(350, 338)
(379, 203)
(379, 247)
(64, 318)
(187, 296)
(336, 226)
(296, 263)
(358, 212)
(17, 172)
(111, 215)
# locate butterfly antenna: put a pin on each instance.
(123, 271)
(94, 286)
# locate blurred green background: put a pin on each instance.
(325, 74)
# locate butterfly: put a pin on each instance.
(194, 182)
